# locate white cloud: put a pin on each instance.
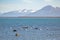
(27, 1)
(8, 7)
(48, 0)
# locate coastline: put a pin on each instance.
(38, 17)
(33, 17)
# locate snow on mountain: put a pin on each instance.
(17, 13)
(46, 11)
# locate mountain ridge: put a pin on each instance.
(47, 11)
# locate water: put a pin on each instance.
(36, 28)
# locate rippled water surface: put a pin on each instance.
(30, 28)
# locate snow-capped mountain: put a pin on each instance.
(48, 11)
(17, 13)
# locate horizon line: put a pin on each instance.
(33, 17)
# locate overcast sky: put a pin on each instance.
(10, 5)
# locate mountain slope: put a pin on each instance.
(16, 13)
(47, 11)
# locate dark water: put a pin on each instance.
(37, 28)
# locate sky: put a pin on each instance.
(11, 5)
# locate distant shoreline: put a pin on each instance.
(33, 17)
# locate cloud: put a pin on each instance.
(48, 0)
(27, 1)
(9, 7)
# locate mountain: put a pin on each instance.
(17, 13)
(47, 11)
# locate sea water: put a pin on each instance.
(37, 28)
